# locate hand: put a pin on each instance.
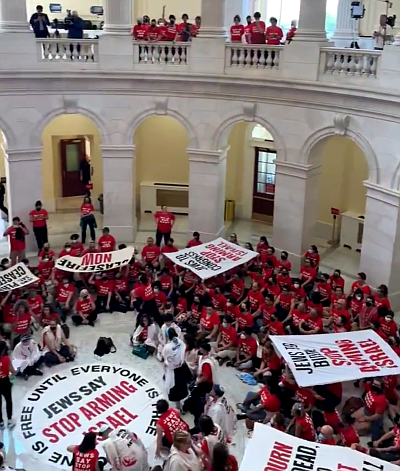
(375, 444)
(62, 359)
(107, 307)
(158, 455)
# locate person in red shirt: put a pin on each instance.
(325, 289)
(361, 284)
(77, 247)
(325, 436)
(298, 315)
(266, 403)
(276, 326)
(387, 326)
(254, 298)
(237, 287)
(139, 31)
(284, 278)
(257, 32)
(85, 310)
(85, 455)
(5, 385)
(121, 291)
(381, 297)
(298, 291)
(336, 280)
(270, 364)
(237, 30)
(347, 433)
(221, 460)
(22, 321)
(36, 304)
(195, 241)
(105, 289)
(17, 233)
(168, 424)
(171, 29)
(313, 255)
(304, 427)
(106, 241)
(284, 303)
(169, 247)
(209, 324)
(184, 29)
(64, 292)
(225, 346)
(273, 33)
(244, 318)
(165, 222)
(45, 268)
(292, 32)
(47, 251)
(38, 218)
(48, 316)
(356, 304)
(312, 324)
(308, 274)
(88, 219)
(246, 351)
(151, 253)
(341, 310)
(196, 27)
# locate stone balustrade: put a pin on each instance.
(72, 50)
(251, 56)
(350, 62)
(162, 53)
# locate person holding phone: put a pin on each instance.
(40, 22)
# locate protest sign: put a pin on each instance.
(95, 262)
(272, 450)
(16, 277)
(211, 259)
(333, 358)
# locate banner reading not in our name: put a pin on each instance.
(213, 258)
(95, 262)
(16, 277)
(333, 358)
(272, 450)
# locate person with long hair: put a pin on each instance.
(5, 385)
(86, 453)
(183, 455)
(221, 460)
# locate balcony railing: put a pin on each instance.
(252, 57)
(350, 62)
(162, 53)
(72, 50)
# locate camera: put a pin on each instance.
(391, 21)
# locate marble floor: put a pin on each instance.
(118, 326)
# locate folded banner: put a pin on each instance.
(211, 259)
(16, 277)
(333, 358)
(272, 450)
(94, 262)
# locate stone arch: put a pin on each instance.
(142, 116)
(221, 135)
(309, 151)
(8, 133)
(37, 133)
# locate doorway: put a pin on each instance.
(72, 153)
(264, 184)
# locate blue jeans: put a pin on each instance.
(376, 427)
(247, 407)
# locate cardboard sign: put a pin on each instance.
(95, 262)
(213, 258)
(60, 409)
(272, 450)
(333, 358)
(16, 277)
(335, 211)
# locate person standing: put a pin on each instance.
(5, 385)
(383, 33)
(2, 196)
(39, 22)
(17, 233)
(237, 30)
(86, 457)
(165, 222)
(88, 219)
(38, 218)
(274, 33)
(257, 31)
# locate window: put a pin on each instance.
(259, 132)
(265, 171)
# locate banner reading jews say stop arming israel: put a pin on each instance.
(333, 358)
(213, 258)
(95, 262)
(16, 277)
(272, 450)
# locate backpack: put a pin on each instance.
(105, 345)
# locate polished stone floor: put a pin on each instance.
(119, 325)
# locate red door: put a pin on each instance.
(72, 152)
(264, 184)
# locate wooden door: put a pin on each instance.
(264, 184)
(72, 152)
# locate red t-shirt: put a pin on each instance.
(248, 346)
(247, 33)
(285, 301)
(121, 285)
(255, 300)
(274, 34)
(166, 282)
(77, 249)
(276, 328)
(181, 305)
(170, 33)
(47, 318)
(390, 383)
(5, 364)
(237, 32)
(45, 269)
(16, 244)
(306, 397)
(171, 422)
(162, 31)
(168, 249)
(381, 302)
(336, 282)
(153, 33)
(194, 243)
(64, 291)
(229, 335)
(298, 316)
(365, 288)
(164, 221)
(325, 290)
(349, 436)
(86, 209)
(308, 432)
(38, 217)
(266, 312)
(245, 319)
(315, 324)
(161, 299)
(307, 272)
(375, 403)
(256, 36)
(140, 32)
(35, 304)
(150, 253)
(237, 289)
(218, 300)
(84, 306)
(270, 402)
(208, 323)
(107, 243)
(22, 324)
(333, 419)
(336, 313)
(104, 287)
(387, 329)
(148, 292)
(85, 461)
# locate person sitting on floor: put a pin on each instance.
(56, 346)
(85, 310)
(146, 334)
(168, 424)
(218, 408)
(26, 358)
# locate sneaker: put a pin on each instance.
(91, 323)
(2, 426)
(11, 423)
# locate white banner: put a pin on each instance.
(272, 450)
(211, 259)
(16, 277)
(333, 358)
(94, 262)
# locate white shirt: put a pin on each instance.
(124, 452)
(379, 43)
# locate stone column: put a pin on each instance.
(295, 211)
(207, 192)
(24, 186)
(115, 46)
(380, 251)
(312, 21)
(13, 16)
(346, 27)
(236, 7)
(118, 188)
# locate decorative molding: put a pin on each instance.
(297, 170)
(341, 123)
(161, 105)
(249, 111)
(382, 194)
(70, 104)
(23, 155)
(118, 152)
(207, 156)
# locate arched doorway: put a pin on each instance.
(161, 172)
(67, 141)
(250, 171)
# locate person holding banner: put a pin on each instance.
(17, 233)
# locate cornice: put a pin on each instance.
(314, 95)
